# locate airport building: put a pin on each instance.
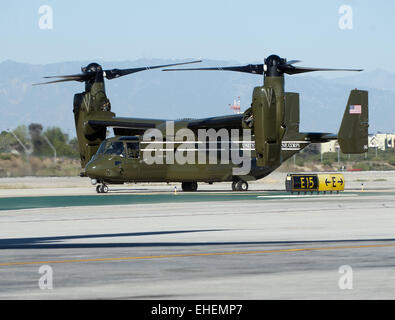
(381, 141)
(330, 146)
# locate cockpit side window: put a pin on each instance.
(133, 150)
(114, 148)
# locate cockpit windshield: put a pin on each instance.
(111, 147)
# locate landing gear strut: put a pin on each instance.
(102, 188)
(189, 186)
(239, 185)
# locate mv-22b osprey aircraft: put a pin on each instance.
(241, 147)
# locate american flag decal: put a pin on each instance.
(355, 109)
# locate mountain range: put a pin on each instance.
(175, 95)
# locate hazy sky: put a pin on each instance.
(245, 31)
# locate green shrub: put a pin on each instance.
(5, 156)
(362, 165)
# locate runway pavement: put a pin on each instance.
(215, 244)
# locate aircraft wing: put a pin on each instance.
(126, 126)
(226, 122)
(137, 126)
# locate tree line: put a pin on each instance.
(34, 140)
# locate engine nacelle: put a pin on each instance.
(89, 138)
(268, 125)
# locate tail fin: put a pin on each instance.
(353, 132)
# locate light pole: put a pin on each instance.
(338, 155)
(27, 151)
(52, 147)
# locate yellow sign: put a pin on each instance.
(315, 182)
(331, 182)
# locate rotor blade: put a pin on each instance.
(116, 73)
(250, 68)
(293, 61)
(71, 76)
(289, 69)
(55, 81)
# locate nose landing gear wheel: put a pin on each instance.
(102, 188)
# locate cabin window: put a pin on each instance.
(133, 150)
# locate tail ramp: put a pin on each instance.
(353, 132)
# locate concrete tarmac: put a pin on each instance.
(266, 246)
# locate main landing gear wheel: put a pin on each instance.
(239, 186)
(189, 186)
(102, 188)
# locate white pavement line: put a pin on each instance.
(312, 196)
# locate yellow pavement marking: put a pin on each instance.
(5, 264)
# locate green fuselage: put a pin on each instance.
(113, 165)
